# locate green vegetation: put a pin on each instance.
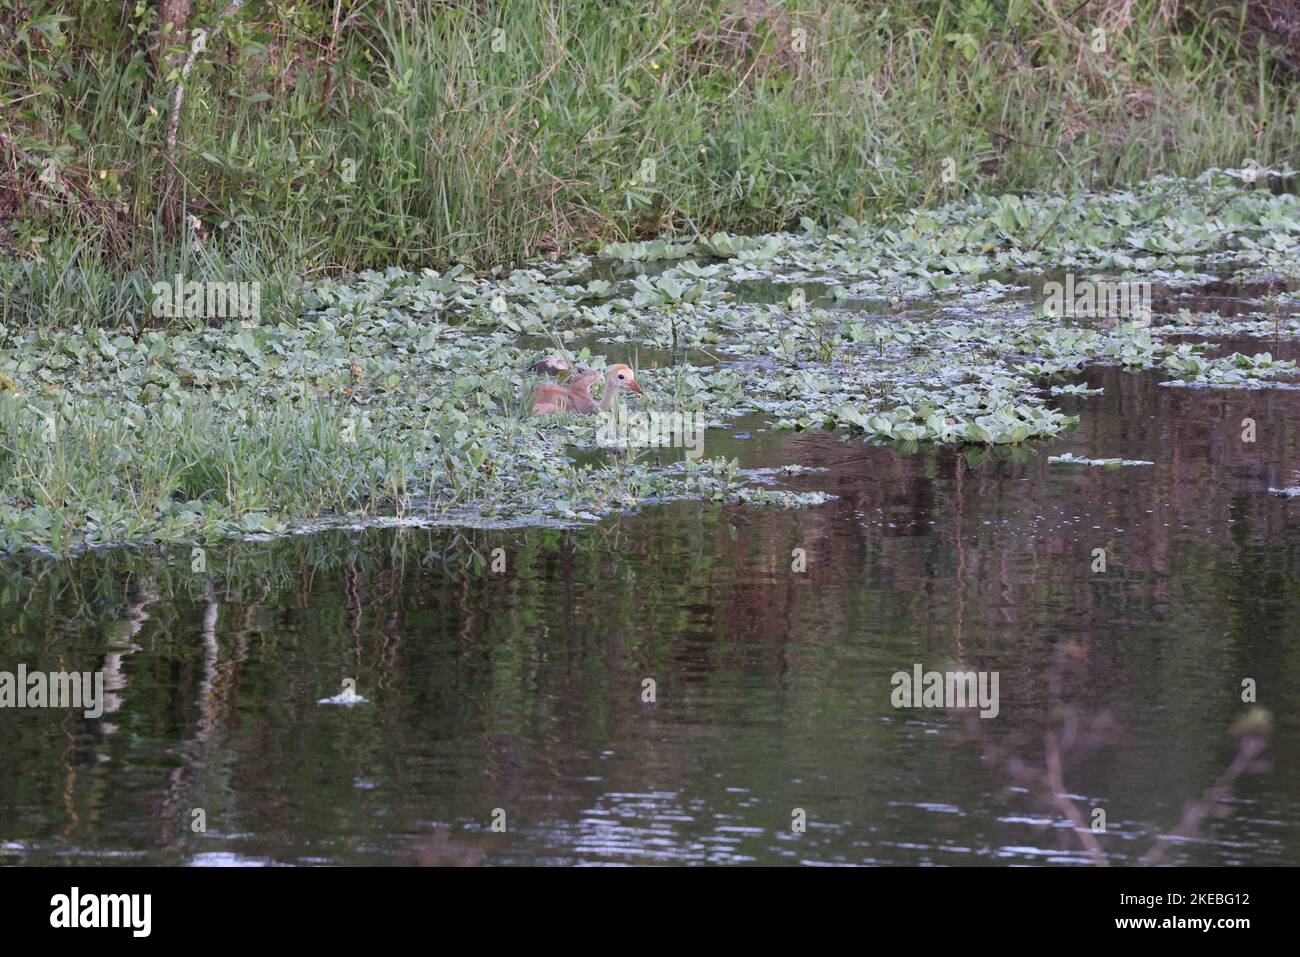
(719, 193)
(325, 136)
(395, 396)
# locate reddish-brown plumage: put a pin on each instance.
(576, 396)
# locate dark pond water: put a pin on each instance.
(522, 690)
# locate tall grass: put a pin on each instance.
(499, 131)
(95, 478)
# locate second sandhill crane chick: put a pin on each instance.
(573, 397)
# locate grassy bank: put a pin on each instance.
(324, 136)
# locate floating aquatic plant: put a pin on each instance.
(1235, 371)
(1069, 458)
(395, 394)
